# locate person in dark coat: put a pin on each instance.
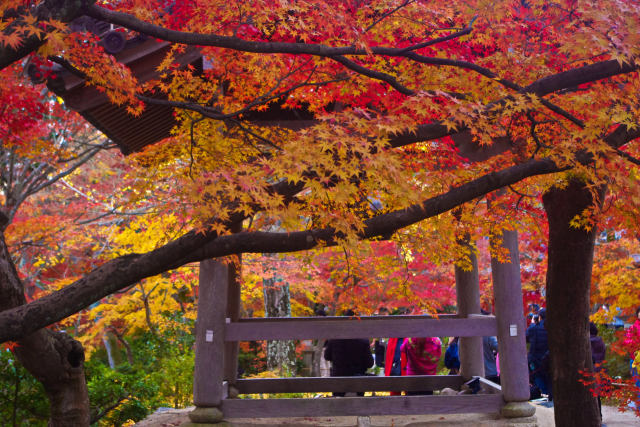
(489, 352)
(349, 357)
(598, 347)
(380, 345)
(452, 357)
(538, 356)
(598, 353)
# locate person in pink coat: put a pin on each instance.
(422, 356)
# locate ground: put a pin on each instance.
(544, 415)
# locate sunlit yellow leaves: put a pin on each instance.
(146, 233)
(615, 279)
(140, 308)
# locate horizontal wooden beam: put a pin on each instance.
(363, 327)
(349, 406)
(346, 318)
(347, 384)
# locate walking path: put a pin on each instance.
(544, 418)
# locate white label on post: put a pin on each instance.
(513, 330)
(208, 336)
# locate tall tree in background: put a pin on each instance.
(281, 354)
(537, 88)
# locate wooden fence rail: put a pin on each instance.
(350, 406)
(347, 384)
(255, 329)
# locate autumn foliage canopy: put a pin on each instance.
(313, 124)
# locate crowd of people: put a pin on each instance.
(421, 355)
(398, 356)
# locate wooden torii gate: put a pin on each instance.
(219, 329)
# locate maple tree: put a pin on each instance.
(545, 93)
(59, 225)
(42, 146)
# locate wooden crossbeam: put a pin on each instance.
(350, 406)
(256, 329)
(347, 384)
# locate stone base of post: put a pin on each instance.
(518, 410)
(202, 416)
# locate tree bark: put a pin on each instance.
(147, 310)
(280, 353)
(125, 344)
(55, 359)
(316, 370)
(109, 350)
(570, 259)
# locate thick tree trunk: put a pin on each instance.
(316, 364)
(54, 359)
(570, 260)
(280, 354)
(57, 361)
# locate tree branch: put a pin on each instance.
(62, 10)
(388, 14)
(377, 75)
(127, 270)
(88, 155)
(442, 39)
(628, 157)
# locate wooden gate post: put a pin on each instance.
(233, 314)
(208, 389)
(468, 299)
(507, 290)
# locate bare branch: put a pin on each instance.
(212, 113)
(442, 39)
(89, 154)
(388, 14)
(586, 74)
(393, 82)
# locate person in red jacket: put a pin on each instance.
(395, 362)
(423, 354)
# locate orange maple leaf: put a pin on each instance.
(12, 40)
